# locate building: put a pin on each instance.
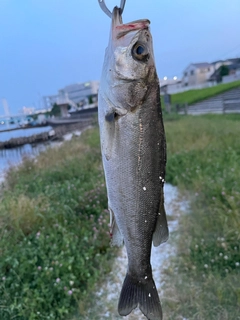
(197, 73)
(202, 75)
(81, 93)
(170, 86)
(232, 69)
(76, 95)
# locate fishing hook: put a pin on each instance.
(107, 11)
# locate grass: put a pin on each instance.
(54, 244)
(53, 241)
(203, 160)
(194, 96)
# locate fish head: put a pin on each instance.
(129, 66)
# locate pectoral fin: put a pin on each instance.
(161, 232)
(116, 236)
(109, 113)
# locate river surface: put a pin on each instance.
(13, 156)
(7, 135)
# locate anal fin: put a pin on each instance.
(161, 232)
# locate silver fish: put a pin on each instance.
(134, 157)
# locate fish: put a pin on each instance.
(133, 147)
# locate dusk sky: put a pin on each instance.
(48, 44)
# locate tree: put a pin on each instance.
(224, 71)
(55, 110)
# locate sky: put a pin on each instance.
(48, 44)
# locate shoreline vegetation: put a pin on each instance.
(196, 95)
(54, 241)
(203, 161)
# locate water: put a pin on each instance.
(10, 157)
(7, 135)
(14, 156)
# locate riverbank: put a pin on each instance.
(54, 240)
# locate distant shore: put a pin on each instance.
(51, 135)
(19, 128)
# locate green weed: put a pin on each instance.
(203, 158)
(54, 243)
(193, 96)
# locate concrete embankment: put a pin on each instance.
(54, 134)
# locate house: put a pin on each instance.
(234, 73)
(170, 87)
(227, 69)
(203, 75)
(197, 73)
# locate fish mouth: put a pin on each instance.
(120, 29)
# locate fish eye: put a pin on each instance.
(140, 52)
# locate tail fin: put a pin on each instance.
(142, 294)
